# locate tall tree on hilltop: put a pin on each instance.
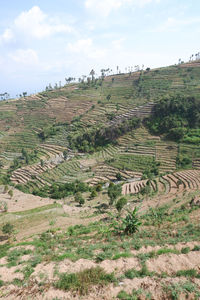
(92, 73)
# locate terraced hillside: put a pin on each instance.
(170, 183)
(94, 205)
(21, 120)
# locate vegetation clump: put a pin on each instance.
(177, 117)
(114, 191)
(83, 281)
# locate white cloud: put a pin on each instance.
(37, 24)
(7, 36)
(173, 24)
(86, 47)
(25, 57)
(117, 44)
(34, 24)
(105, 7)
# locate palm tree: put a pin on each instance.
(92, 73)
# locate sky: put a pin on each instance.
(46, 41)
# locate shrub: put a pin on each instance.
(99, 187)
(8, 228)
(119, 176)
(93, 194)
(185, 250)
(121, 203)
(1, 283)
(3, 206)
(10, 193)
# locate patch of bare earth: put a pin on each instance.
(178, 247)
(8, 274)
(118, 266)
(171, 263)
(21, 202)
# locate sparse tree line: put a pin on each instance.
(193, 57)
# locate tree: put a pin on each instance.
(92, 73)
(78, 198)
(114, 191)
(65, 154)
(108, 97)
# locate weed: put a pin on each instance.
(135, 295)
(27, 271)
(166, 250)
(188, 273)
(174, 290)
(185, 250)
(196, 248)
(83, 281)
(119, 255)
(1, 283)
(14, 255)
(17, 282)
(132, 273)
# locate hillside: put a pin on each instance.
(69, 155)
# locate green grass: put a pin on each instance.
(135, 295)
(38, 209)
(130, 162)
(83, 281)
(132, 273)
(188, 273)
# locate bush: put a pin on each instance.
(119, 176)
(93, 194)
(8, 228)
(1, 283)
(99, 187)
(3, 206)
(121, 203)
(81, 201)
(10, 193)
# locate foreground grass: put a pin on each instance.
(83, 281)
(98, 241)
